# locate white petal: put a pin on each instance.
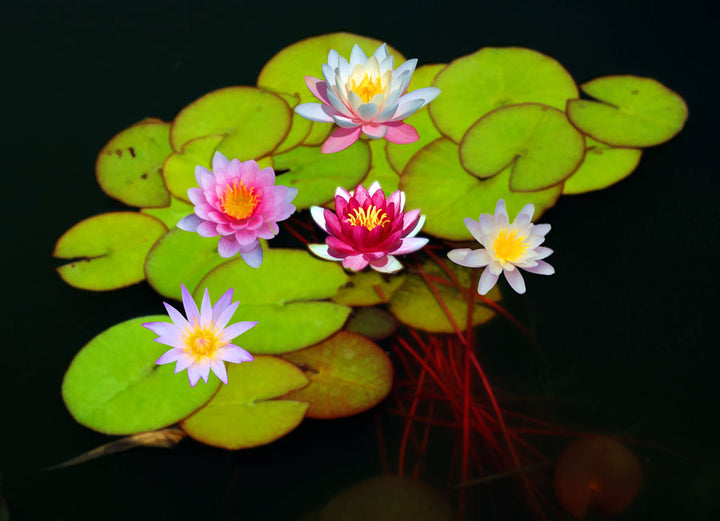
(475, 229)
(540, 229)
(219, 161)
(418, 227)
(469, 258)
(408, 66)
(318, 215)
(542, 268)
(406, 109)
(367, 111)
(515, 280)
(426, 94)
(525, 215)
(391, 266)
(344, 122)
(333, 59)
(321, 250)
(337, 103)
(374, 187)
(314, 112)
(357, 56)
(487, 281)
(381, 53)
(542, 252)
(501, 216)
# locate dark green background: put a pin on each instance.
(628, 323)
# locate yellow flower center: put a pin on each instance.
(238, 201)
(508, 246)
(370, 218)
(367, 88)
(201, 342)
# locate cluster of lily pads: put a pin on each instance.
(509, 125)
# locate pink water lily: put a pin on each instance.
(239, 202)
(368, 228)
(365, 96)
(201, 342)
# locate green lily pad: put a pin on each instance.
(348, 374)
(436, 182)
(299, 129)
(249, 410)
(129, 167)
(365, 288)
(170, 215)
(603, 166)
(632, 111)
(253, 121)
(380, 169)
(108, 250)
(284, 295)
(372, 322)
(317, 175)
(491, 78)
(286, 71)
(319, 132)
(113, 385)
(536, 141)
(415, 305)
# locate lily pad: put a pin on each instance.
(253, 121)
(249, 410)
(372, 322)
(348, 374)
(631, 111)
(366, 287)
(114, 386)
(603, 166)
(493, 77)
(284, 295)
(380, 169)
(319, 132)
(415, 305)
(108, 250)
(536, 141)
(436, 182)
(129, 167)
(170, 215)
(299, 129)
(317, 175)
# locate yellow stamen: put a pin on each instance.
(367, 88)
(201, 342)
(370, 218)
(508, 246)
(238, 201)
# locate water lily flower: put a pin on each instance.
(239, 202)
(365, 96)
(507, 247)
(368, 228)
(202, 341)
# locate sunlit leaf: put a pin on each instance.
(368, 288)
(300, 127)
(380, 169)
(631, 111)
(491, 78)
(348, 374)
(603, 166)
(372, 322)
(108, 250)
(285, 296)
(129, 166)
(250, 410)
(319, 132)
(536, 141)
(113, 385)
(171, 214)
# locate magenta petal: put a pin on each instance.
(318, 88)
(355, 262)
(401, 133)
(341, 139)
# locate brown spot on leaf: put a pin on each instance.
(118, 152)
(132, 151)
(144, 176)
(634, 91)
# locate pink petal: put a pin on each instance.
(219, 162)
(375, 131)
(318, 88)
(228, 246)
(410, 244)
(253, 258)
(355, 262)
(401, 133)
(341, 139)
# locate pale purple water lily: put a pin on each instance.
(368, 228)
(239, 202)
(507, 247)
(365, 96)
(201, 342)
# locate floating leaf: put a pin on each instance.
(491, 78)
(129, 167)
(536, 141)
(114, 386)
(283, 296)
(248, 411)
(603, 166)
(632, 111)
(170, 215)
(435, 181)
(380, 169)
(254, 121)
(372, 322)
(368, 288)
(317, 175)
(348, 374)
(415, 305)
(108, 250)
(319, 132)
(299, 129)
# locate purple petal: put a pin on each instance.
(525, 215)
(224, 317)
(189, 223)
(254, 257)
(234, 354)
(170, 356)
(193, 372)
(222, 303)
(160, 328)
(191, 309)
(236, 330)
(175, 315)
(219, 369)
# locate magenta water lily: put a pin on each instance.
(241, 203)
(368, 228)
(365, 96)
(507, 247)
(201, 342)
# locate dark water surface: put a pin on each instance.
(627, 325)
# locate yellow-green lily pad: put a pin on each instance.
(129, 166)
(253, 121)
(299, 129)
(108, 250)
(170, 215)
(348, 374)
(319, 132)
(536, 141)
(372, 322)
(603, 166)
(285, 295)
(493, 77)
(113, 385)
(436, 182)
(317, 175)
(368, 288)
(380, 169)
(250, 410)
(631, 111)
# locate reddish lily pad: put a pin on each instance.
(372, 322)
(368, 288)
(603, 166)
(348, 374)
(250, 410)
